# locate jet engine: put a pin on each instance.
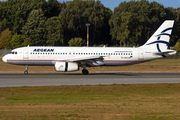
(66, 66)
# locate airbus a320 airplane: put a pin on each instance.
(71, 58)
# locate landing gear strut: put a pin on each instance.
(26, 70)
(85, 72)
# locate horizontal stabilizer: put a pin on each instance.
(166, 53)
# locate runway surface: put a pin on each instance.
(56, 79)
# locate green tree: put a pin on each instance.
(171, 14)
(54, 32)
(77, 42)
(73, 20)
(119, 27)
(98, 16)
(77, 13)
(134, 22)
(5, 38)
(16, 12)
(19, 41)
(53, 8)
(3, 25)
(20, 17)
(177, 46)
(176, 29)
(35, 27)
(27, 41)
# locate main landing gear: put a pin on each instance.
(85, 72)
(26, 70)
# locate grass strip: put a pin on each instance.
(109, 102)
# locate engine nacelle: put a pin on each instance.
(66, 66)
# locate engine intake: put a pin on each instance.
(66, 66)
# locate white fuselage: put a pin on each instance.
(48, 56)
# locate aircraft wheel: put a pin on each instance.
(25, 72)
(85, 72)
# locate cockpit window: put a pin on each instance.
(13, 52)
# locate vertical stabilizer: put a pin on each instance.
(160, 39)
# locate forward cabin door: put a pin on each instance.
(26, 53)
(141, 54)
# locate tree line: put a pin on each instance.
(52, 23)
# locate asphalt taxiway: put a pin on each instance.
(56, 79)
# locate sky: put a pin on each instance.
(115, 3)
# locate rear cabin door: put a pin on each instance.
(26, 53)
(141, 55)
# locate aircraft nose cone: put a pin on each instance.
(4, 59)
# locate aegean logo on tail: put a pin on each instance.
(161, 41)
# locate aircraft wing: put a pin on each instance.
(91, 60)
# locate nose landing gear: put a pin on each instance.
(26, 70)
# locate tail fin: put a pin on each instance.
(160, 39)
